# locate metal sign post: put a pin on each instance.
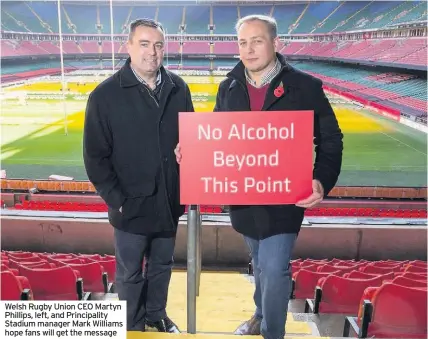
(198, 250)
(193, 257)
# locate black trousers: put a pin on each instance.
(145, 295)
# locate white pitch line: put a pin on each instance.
(386, 134)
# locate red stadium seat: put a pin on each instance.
(43, 264)
(415, 269)
(4, 268)
(65, 262)
(341, 269)
(362, 275)
(378, 270)
(60, 256)
(40, 264)
(394, 312)
(19, 255)
(95, 257)
(54, 284)
(340, 295)
(403, 281)
(93, 275)
(110, 269)
(14, 287)
(34, 259)
(418, 263)
(414, 276)
(304, 283)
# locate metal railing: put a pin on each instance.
(194, 263)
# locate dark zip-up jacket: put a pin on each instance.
(301, 92)
(128, 150)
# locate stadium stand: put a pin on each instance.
(403, 91)
(308, 275)
(378, 304)
(296, 19)
(48, 205)
(314, 17)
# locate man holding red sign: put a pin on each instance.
(263, 81)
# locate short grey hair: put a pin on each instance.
(268, 20)
(146, 23)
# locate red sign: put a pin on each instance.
(246, 158)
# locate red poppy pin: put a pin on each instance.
(279, 91)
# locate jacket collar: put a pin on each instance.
(238, 72)
(284, 78)
(127, 77)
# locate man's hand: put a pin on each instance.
(177, 152)
(315, 198)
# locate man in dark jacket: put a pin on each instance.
(131, 129)
(271, 231)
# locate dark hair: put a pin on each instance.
(146, 23)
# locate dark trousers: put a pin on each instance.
(145, 296)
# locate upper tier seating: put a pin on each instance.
(313, 17)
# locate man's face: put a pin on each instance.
(146, 49)
(256, 46)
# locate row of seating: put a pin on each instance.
(342, 282)
(302, 18)
(50, 276)
(207, 209)
(360, 289)
(367, 212)
(306, 274)
(399, 51)
(384, 299)
(338, 191)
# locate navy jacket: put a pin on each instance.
(128, 150)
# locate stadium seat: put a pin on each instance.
(341, 269)
(336, 294)
(415, 269)
(55, 283)
(394, 312)
(110, 268)
(32, 264)
(403, 281)
(418, 263)
(4, 268)
(414, 276)
(304, 283)
(65, 262)
(95, 279)
(32, 259)
(362, 275)
(94, 257)
(59, 256)
(378, 270)
(14, 287)
(19, 255)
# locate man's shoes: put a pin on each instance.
(250, 327)
(164, 325)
